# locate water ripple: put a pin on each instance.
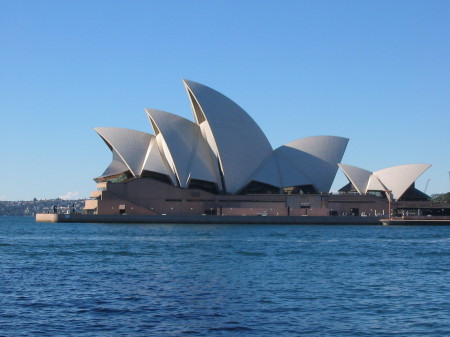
(201, 280)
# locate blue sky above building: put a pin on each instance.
(376, 72)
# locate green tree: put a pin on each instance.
(441, 198)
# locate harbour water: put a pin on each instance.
(222, 280)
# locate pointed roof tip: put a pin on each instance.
(343, 165)
(150, 111)
(99, 129)
(188, 83)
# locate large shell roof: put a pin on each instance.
(238, 141)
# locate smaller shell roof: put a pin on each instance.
(399, 178)
(374, 184)
(130, 145)
(191, 155)
(317, 157)
(357, 176)
(396, 179)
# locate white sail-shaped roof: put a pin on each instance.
(116, 167)
(225, 147)
(396, 179)
(317, 157)
(129, 145)
(375, 184)
(399, 178)
(184, 147)
(269, 172)
(290, 173)
(237, 141)
(357, 176)
(154, 162)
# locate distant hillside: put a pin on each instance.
(38, 206)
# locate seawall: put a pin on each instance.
(418, 221)
(208, 219)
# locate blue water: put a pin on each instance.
(222, 280)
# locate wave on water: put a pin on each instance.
(136, 280)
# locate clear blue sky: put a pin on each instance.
(377, 72)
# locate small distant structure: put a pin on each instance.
(426, 186)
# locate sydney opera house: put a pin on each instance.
(221, 163)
